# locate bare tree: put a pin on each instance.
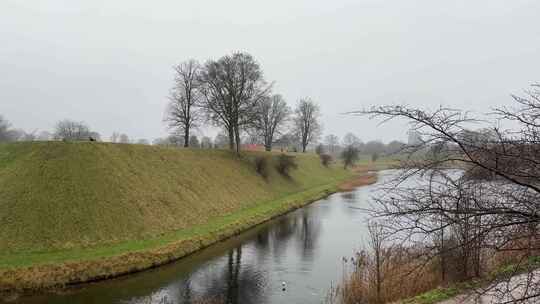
(217, 103)
(4, 129)
(19, 135)
(271, 113)
(194, 141)
(394, 147)
(123, 139)
(206, 142)
(306, 122)
(115, 137)
(221, 140)
(288, 141)
(182, 114)
(332, 142)
(9, 134)
(232, 87)
(252, 138)
(374, 147)
(71, 130)
(351, 140)
(489, 205)
(158, 141)
(44, 136)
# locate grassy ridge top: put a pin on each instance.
(56, 195)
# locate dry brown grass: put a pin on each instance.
(407, 273)
(357, 181)
(403, 276)
(363, 175)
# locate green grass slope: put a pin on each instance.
(57, 196)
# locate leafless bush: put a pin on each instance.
(262, 166)
(326, 159)
(350, 156)
(385, 272)
(71, 130)
(285, 163)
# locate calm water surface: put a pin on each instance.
(304, 249)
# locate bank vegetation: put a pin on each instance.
(436, 228)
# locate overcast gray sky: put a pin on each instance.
(108, 63)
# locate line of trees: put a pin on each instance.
(231, 93)
(10, 134)
(332, 145)
(64, 130)
(274, 124)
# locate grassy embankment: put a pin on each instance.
(77, 212)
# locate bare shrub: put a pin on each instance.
(262, 166)
(67, 130)
(285, 163)
(326, 159)
(383, 274)
(349, 156)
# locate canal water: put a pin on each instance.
(295, 258)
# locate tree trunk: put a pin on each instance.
(231, 138)
(442, 256)
(268, 144)
(378, 271)
(186, 138)
(230, 278)
(237, 137)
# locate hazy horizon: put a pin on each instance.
(109, 63)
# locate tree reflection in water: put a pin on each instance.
(243, 279)
(236, 282)
(349, 197)
(307, 235)
(243, 273)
